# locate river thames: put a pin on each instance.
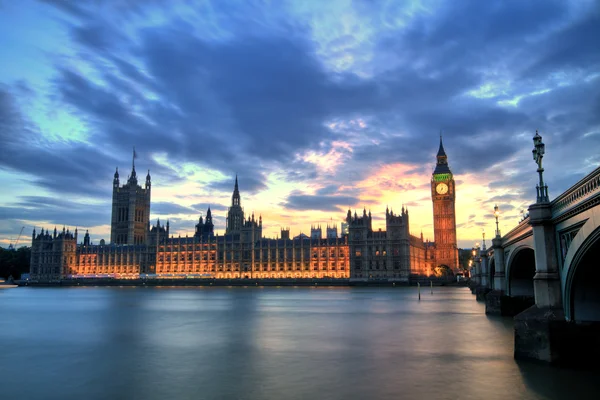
(266, 343)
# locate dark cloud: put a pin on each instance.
(298, 201)
(166, 208)
(202, 207)
(57, 211)
(327, 190)
(246, 184)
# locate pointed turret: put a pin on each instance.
(235, 198)
(148, 180)
(133, 177)
(442, 161)
(116, 179)
(208, 216)
(441, 151)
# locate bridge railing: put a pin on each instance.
(586, 188)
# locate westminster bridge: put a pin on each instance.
(545, 272)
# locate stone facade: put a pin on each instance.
(392, 254)
(130, 210)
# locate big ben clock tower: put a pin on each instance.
(443, 196)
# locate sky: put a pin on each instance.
(317, 106)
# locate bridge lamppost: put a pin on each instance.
(474, 267)
(483, 265)
(539, 148)
(497, 281)
(496, 215)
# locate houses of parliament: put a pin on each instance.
(356, 252)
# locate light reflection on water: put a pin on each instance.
(265, 343)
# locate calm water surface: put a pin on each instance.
(265, 343)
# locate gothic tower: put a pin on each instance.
(444, 214)
(130, 209)
(205, 229)
(235, 214)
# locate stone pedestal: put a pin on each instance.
(472, 285)
(499, 275)
(539, 333)
(484, 269)
(481, 292)
(542, 334)
(493, 302)
(546, 282)
(497, 303)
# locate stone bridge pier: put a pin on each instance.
(545, 272)
(538, 328)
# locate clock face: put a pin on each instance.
(442, 188)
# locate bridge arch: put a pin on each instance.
(520, 271)
(492, 272)
(581, 290)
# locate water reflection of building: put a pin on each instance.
(359, 253)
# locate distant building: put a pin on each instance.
(392, 254)
(130, 210)
(332, 232)
(360, 253)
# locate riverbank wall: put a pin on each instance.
(227, 282)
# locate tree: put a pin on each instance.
(14, 262)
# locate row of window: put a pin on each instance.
(160, 269)
(359, 252)
(228, 256)
(246, 246)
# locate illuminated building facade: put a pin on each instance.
(393, 254)
(360, 253)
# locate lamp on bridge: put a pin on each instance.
(539, 148)
(496, 215)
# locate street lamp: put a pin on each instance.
(539, 149)
(496, 215)
(483, 234)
